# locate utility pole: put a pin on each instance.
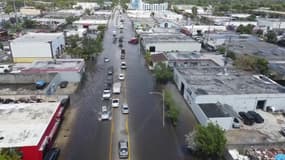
(15, 12)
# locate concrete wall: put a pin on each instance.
(175, 46)
(25, 78)
(244, 102)
(30, 49)
(224, 122)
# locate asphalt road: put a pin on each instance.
(93, 139)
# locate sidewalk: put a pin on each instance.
(186, 121)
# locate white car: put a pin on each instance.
(105, 113)
(125, 109)
(123, 65)
(5, 68)
(115, 103)
(106, 94)
(121, 76)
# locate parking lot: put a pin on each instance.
(269, 131)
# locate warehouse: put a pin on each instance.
(29, 124)
(37, 46)
(238, 89)
(164, 42)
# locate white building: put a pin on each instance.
(87, 5)
(163, 42)
(194, 29)
(270, 23)
(89, 23)
(30, 11)
(238, 23)
(37, 46)
(240, 90)
(154, 7)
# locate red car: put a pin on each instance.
(134, 41)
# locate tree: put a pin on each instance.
(252, 63)
(172, 112)
(209, 140)
(87, 12)
(271, 37)
(251, 18)
(245, 29)
(29, 23)
(69, 20)
(194, 11)
(10, 154)
(162, 72)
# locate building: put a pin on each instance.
(140, 5)
(89, 23)
(30, 11)
(240, 90)
(270, 24)
(86, 5)
(195, 29)
(155, 7)
(37, 46)
(163, 42)
(28, 124)
(193, 59)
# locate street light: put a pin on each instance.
(163, 114)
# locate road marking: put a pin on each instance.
(111, 139)
(127, 129)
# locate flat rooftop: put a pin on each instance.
(258, 48)
(214, 59)
(166, 37)
(61, 65)
(23, 124)
(213, 81)
(38, 37)
(214, 110)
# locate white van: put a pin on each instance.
(117, 88)
(5, 68)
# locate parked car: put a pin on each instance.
(110, 70)
(52, 154)
(5, 68)
(105, 113)
(115, 103)
(106, 60)
(133, 40)
(106, 93)
(123, 65)
(236, 123)
(121, 39)
(123, 56)
(40, 84)
(123, 51)
(257, 117)
(123, 149)
(125, 109)
(63, 84)
(121, 76)
(120, 45)
(247, 118)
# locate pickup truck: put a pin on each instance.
(117, 88)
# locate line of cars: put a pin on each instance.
(251, 117)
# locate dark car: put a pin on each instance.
(110, 70)
(123, 149)
(123, 51)
(133, 41)
(121, 39)
(257, 117)
(247, 118)
(52, 154)
(120, 45)
(63, 84)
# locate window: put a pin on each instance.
(152, 48)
